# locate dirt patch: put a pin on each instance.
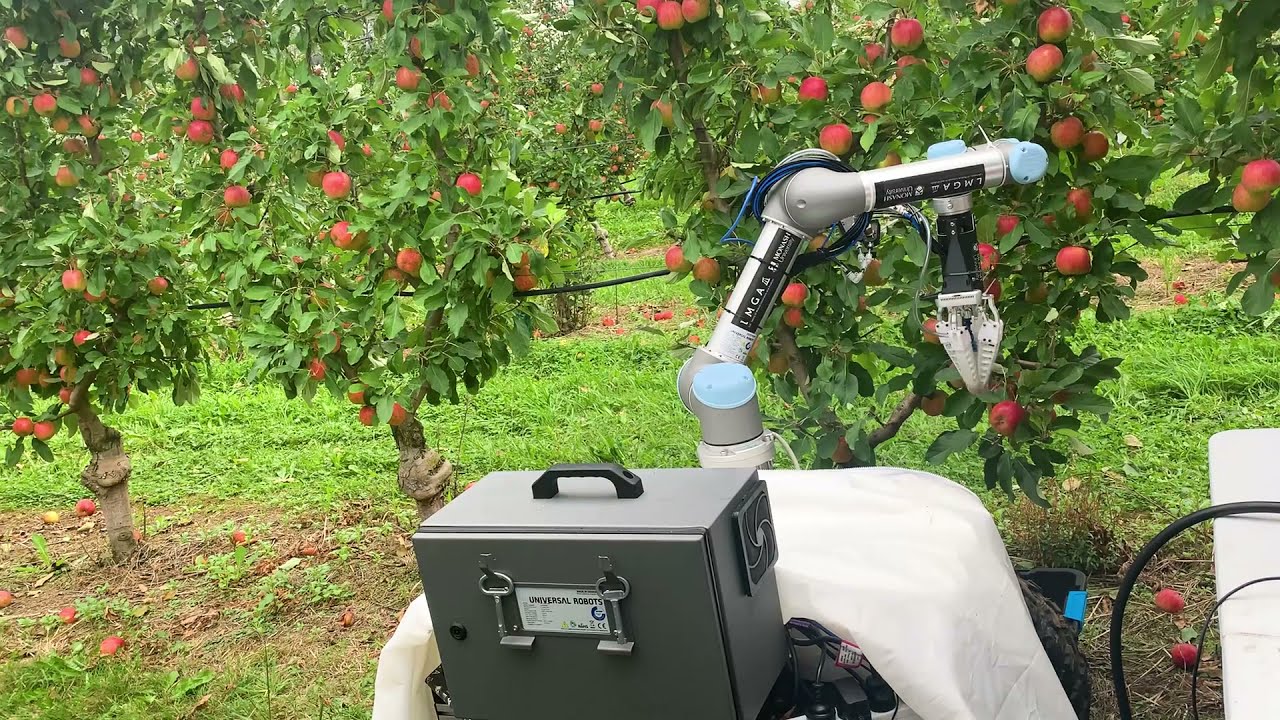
(191, 594)
(1191, 278)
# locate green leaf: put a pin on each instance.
(13, 455)
(1089, 402)
(1139, 81)
(42, 449)
(823, 33)
(1135, 167)
(1145, 45)
(1028, 477)
(457, 317)
(1214, 60)
(949, 443)
(1259, 297)
(1108, 6)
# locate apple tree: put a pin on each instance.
(727, 91)
(1222, 125)
(94, 279)
(368, 228)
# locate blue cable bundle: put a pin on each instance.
(759, 192)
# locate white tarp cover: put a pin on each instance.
(906, 563)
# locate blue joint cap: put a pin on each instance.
(1076, 601)
(946, 149)
(1028, 162)
(724, 386)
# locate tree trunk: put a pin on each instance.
(107, 476)
(423, 474)
(602, 236)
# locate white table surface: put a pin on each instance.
(1245, 465)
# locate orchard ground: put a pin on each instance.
(290, 623)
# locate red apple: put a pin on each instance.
(836, 138)
(1096, 146)
(670, 15)
(1005, 224)
(64, 395)
(1082, 200)
(989, 256)
(1044, 62)
(876, 95)
(470, 183)
(907, 34)
(597, 89)
(1261, 176)
(1184, 655)
(905, 62)
(1006, 416)
(45, 104)
(793, 317)
(228, 159)
(6, 597)
(409, 261)
(336, 138)
(368, 151)
(1067, 133)
(81, 337)
(472, 65)
(110, 646)
(1244, 201)
(200, 132)
(595, 126)
(648, 7)
(368, 415)
(238, 537)
(17, 37)
(64, 178)
(291, 88)
(202, 108)
(88, 77)
(69, 47)
(871, 52)
(1074, 260)
(707, 270)
(68, 615)
(236, 196)
(344, 239)
(189, 70)
(86, 507)
(232, 92)
(676, 261)
(766, 94)
(356, 393)
(695, 10)
(794, 295)
(15, 106)
(665, 110)
(813, 88)
(388, 11)
(1054, 25)
(398, 415)
(73, 280)
(1170, 601)
(336, 185)
(316, 369)
(407, 78)
(929, 329)
(23, 426)
(933, 403)
(157, 285)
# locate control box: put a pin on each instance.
(591, 591)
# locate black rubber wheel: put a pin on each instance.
(1059, 639)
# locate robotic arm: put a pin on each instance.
(809, 193)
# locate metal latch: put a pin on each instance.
(613, 589)
(498, 586)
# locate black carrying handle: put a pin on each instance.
(624, 481)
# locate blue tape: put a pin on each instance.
(1075, 607)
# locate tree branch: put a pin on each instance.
(896, 420)
(707, 155)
